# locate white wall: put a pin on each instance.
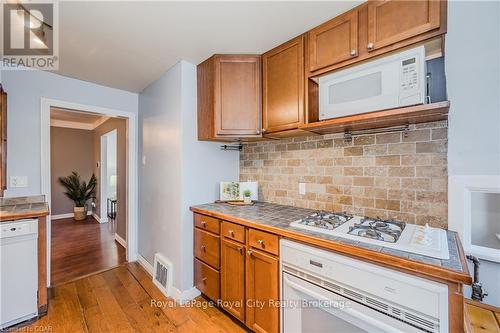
(25, 90)
(473, 80)
(179, 170)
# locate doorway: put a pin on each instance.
(120, 178)
(109, 176)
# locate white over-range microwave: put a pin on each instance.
(389, 82)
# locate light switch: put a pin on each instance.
(302, 188)
(19, 181)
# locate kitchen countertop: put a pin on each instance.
(277, 218)
(23, 207)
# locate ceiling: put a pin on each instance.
(128, 45)
(75, 119)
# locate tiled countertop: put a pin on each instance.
(23, 207)
(277, 218)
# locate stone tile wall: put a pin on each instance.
(386, 175)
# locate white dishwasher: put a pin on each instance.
(18, 271)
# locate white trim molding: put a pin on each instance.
(70, 215)
(132, 186)
(78, 125)
(145, 264)
(460, 189)
(120, 240)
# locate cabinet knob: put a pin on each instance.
(263, 130)
(203, 224)
(203, 248)
(261, 242)
(231, 233)
(353, 52)
(257, 131)
(370, 46)
(240, 249)
(249, 252)
(204, 280)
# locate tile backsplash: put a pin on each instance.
(387, 175)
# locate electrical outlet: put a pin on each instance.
(19, 181)
(302, 188)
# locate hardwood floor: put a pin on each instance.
(481, 318)
(124, 299)
(80, 248)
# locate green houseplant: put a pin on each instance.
(247, 196)
(79, 192)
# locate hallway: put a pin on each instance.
(80, 248)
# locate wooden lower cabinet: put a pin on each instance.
(262, 292)
(233, 278)
(206, 279)
(240, 267)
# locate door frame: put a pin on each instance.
(132, 185)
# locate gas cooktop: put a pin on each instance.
(399, 235)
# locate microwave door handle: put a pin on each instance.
(352, 312)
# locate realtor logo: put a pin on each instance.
(30, 35)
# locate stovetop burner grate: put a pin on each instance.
(384, 230)
(326, 220)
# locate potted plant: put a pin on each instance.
(247, 197)
(79, 192)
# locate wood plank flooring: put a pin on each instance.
(124, 299)
(84, 247)
(482, 318)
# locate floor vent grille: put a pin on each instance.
(162, 274)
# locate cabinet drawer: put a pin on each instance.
(233, 231)
(206, 247)
(206, 280)
(263, 241)
(207, 223)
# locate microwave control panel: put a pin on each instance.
(409, 77)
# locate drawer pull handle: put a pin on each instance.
(203, 224)
(13, 229)
(204, 280)
(370, 46)
(249, 252)
(204, 248)
(240, 249)
(231, 233)
(261, 242)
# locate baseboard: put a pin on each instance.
(98, 219)
(181, 297)
(62, 216)
(145, 264)
(67, 216)
(120, 240)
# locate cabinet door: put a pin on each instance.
(262, 287)
(237, 95)
(391, 21)
(232, 273)
(334, 41)
(3, 143)
(283, 86)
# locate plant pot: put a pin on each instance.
(247, 200)
(80, 213)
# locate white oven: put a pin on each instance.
(389, 82)
(325, 292)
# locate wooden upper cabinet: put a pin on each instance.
(334, 41)
(229, 97)
(233, 278)
(283, 86)
(391, 21)
(3, 143)
(262, 287)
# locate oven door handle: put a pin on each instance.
(351, 311)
